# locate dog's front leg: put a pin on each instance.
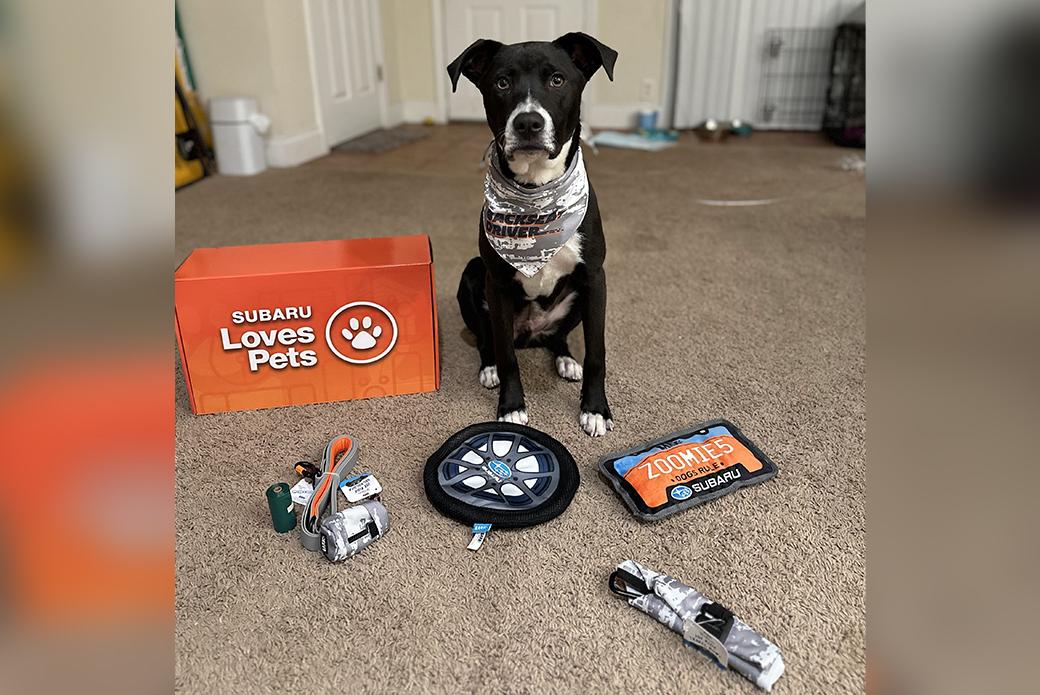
(511, 407)
(596, 419)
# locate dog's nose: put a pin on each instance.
(528, 123)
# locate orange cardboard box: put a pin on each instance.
(287, 324)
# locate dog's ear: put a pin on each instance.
(473, 61)
(588, 54)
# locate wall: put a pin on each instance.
(408, 47)
(639, 32)
(258, 48)
(292, 107)
(638, 29)
(228, 46)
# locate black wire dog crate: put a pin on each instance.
(845, 114)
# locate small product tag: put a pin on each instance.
(696, 636)
(301, 491)
(360, 487)
(480, 532)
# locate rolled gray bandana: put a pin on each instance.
(346, 533)
(679, 606)
(528, 226)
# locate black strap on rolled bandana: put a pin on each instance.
(626, 584)
(716, 619)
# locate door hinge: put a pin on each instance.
(379, 73)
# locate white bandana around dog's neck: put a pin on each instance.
(528, 226)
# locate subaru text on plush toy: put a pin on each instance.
(540, 269)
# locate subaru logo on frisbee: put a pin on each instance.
(499, 469)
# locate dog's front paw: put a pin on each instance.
(517, 417)
(596, 424)
(488, 377)
(568, 368)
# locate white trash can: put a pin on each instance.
(237, 127)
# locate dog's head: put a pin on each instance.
(532, 91)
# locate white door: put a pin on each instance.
(508, 21)
(344, 34)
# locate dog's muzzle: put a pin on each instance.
(528, 133)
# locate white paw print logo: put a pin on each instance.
(370, 332)
(361, 334)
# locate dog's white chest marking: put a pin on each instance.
(542, 283)
(536, 321)
(538, 169)
(533, 319)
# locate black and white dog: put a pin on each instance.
(532, 98)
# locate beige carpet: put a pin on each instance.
(751, 313)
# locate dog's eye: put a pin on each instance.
(556, 80)
(503, 83)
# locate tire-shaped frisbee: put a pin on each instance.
(503, 474)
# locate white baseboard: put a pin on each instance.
(621, 116)
(418, 111)
(293, 150)
(394, 115)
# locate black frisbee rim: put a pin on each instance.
(554, 505)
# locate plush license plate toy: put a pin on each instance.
(685, 468)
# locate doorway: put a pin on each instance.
(508, 21)
(348, 69)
